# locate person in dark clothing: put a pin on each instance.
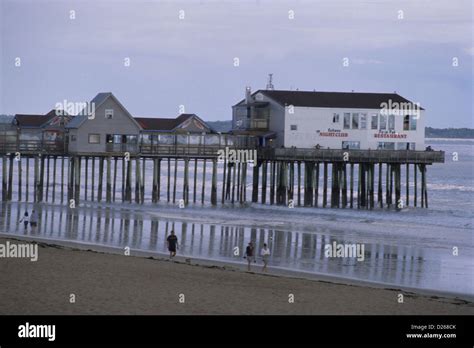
(172, 241)
(25, 219)
(249, 254)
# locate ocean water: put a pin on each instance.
(414, 248)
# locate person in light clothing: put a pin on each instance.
(265, 253)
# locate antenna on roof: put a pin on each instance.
(270, 86)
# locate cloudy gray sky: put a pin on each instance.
(408, 46)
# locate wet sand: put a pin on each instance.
(107, 283)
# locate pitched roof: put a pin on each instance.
(76, 121)
(33, 121)
(163, 124)
(355, 100)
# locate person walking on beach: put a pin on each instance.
(249, 254)
(265, 253)
(172, 241)
(33, 219)
(25, 219)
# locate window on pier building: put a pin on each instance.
(383, 122)
(94, 138)
(391, 122)
(109, 114)
(347, 120)
(351, 144)
(413, 122)
(335, 118)
(355, 121)
(375, 121)
(406, 123)
(386, 146)
(405, 146)
(363, 121)
(293, 127)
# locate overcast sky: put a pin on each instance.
(410, 47)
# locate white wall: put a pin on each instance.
(313, 123)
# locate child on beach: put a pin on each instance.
(265, 253)
(172, 241)
(25, 219)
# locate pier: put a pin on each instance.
(182, 173)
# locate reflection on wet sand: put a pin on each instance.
(294, 250)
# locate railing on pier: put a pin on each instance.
(352, 156)
(33, 147)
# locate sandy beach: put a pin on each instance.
(108, 283)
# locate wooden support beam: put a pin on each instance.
(128, 181)
(264, 182)
(255, 182)
(4, 179)
(20, 174)
(407, 184)
(379, 188)
(195, 180)
(272, 182)
(41, 179)
(101, 178)
(168, 180)
(70, 185)
(214, 182)
(239, 180)
(387, 185)
(138, 180)
(143, 181)
(351, 203)
(114, 189)
(234, 169)
(203, 190)
(224, 170)
(47, 176)
(299, 183)
(344, 185)
(186, 182)
(175, 179)
(415, 198)
(325, 185)
(108, 185)
(27, 179)
(62, 179)
(77, 180)
(86, 177)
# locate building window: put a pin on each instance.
(363, 121)
(383, 122)
(335, 118)
(391, 122)
(355, 121)
(406, 123)
(351, 144)
(109, 114)
(293, 127)
(375, 121)
(73, 138)
(386, 146)
(347, 120)
(413, 122)
(94, 138)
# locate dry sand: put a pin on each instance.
(105, 283)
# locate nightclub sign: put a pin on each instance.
(333, 133)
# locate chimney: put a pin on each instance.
(248, 95)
